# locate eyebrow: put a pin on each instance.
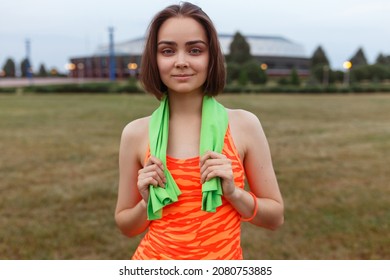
(189, 43)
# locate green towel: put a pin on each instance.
(212, 134)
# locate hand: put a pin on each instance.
(151, 174)
(212, 165)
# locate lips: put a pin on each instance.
(182, 75)
(182, 78)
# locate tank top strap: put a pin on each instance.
(231, 146)
(147, 154)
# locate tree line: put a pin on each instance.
(360, 69)
(243, 68)
(10, 69)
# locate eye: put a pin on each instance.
(195, 51)
(167, 51)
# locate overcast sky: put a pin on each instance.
(59, 30)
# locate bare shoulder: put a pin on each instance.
(134, 140)
(136, 129)
(246, 130)
(243, 120)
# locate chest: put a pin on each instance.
(184, 139)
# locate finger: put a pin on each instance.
(146, 182)
(209, 173)
(212, 162)
(222, 171)
(210, 155)
(219, 174)
(155, 164)
(158, 180)
(154, 160)
(153, 168)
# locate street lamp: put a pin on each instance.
(112, 67)
(70, 67)
(132, 68)
(347, 65)
(325, 78)
(29, 72)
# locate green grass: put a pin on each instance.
(59, 175)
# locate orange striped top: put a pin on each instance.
(185, 232)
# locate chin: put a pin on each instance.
(186, 90)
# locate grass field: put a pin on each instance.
(58, 175)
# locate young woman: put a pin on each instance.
(182, 170)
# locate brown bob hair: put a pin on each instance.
(149, 73)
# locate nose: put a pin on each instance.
(181, 61)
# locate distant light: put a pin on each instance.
(132, 66)
(347, 65)
(80, 66)
(264, 66)
(70, 66)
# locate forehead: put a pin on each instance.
(181, 29)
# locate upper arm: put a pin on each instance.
(133, 145)
(257, 158)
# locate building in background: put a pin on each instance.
(277, 55)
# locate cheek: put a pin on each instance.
(162, 65)
(203, 67)
(205, 63)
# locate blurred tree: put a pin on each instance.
(255, 74)
(9, 68)
(378, 72)
(319, 67)
(381, 59)
(374, 73)
(243, 78)
(360, 73)
(239, 50)
(359, 58)
(233, 72)
(294, 78)
(336, 76)
(42, 71)
(320, 71)
(319, 58)
(283, 81)
(25, 66)
(241, 66)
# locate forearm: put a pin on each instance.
(133, 221)
(269, 213)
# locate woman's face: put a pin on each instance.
(182, 55)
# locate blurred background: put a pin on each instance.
(316, 73)
(53, 34)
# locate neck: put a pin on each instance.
(185, 104)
